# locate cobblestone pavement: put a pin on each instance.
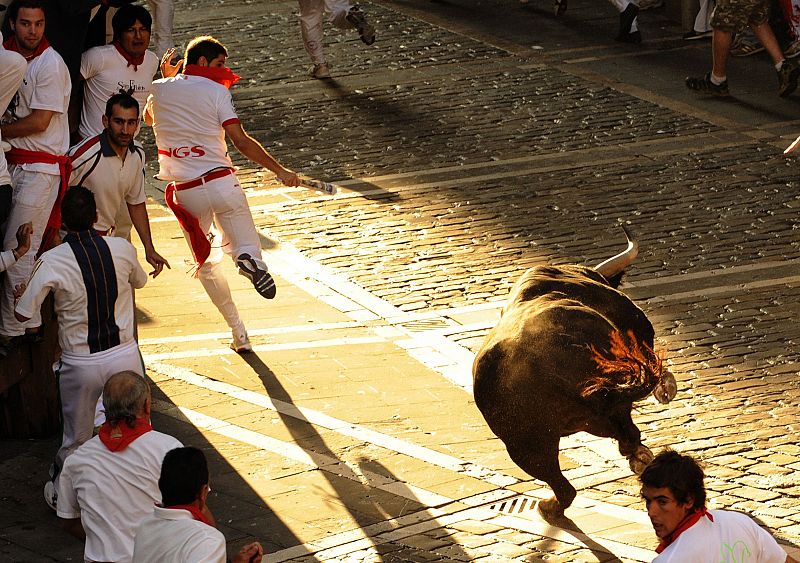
(466, 155)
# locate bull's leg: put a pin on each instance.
(620, 426)
(539, 458)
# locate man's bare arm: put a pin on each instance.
(253, 150)
(141, 223)
(36, 122)
(73, 527)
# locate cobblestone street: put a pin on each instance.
(471, 142)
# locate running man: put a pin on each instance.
(191, 113)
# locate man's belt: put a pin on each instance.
(19, 156)
(214, 175)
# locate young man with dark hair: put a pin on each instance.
(125, 65)
(39, 136)
(182, 529)
(191, 114)
(109, 485)
(91, 277)
(675, 497)
(111, 165)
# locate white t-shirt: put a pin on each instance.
(46, 86)
(86, 321)
(97, 166)
(174, 536)
(106, 72)
(189, 113)
(112, 492)
(727, 539)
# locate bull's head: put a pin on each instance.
(614, 268)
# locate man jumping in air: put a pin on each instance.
(191, 112)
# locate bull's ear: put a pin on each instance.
(616, 279)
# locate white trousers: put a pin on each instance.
(311, 16)
(221, 208)
(32, 201)
(163, 12)
(702, 22)
(80, 384)
(12, 71)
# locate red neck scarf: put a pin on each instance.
(690, 520)
(221, 75)
(132, 61)
(11, 45)
(193, 510)
(120, 437)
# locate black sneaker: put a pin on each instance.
(626, 18)
(703, 85)
(256, 272)
(695, 35)
(365, 30)
(787, 78)
(635, 37)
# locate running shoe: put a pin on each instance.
(365, 31)
(256, 271)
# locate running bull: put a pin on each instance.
(571, 353)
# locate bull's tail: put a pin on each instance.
(628, 368)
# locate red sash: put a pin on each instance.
(683, 525)
(220, 75)
(198, 242)
(22, 156)
(121, 436)
(193, 510)
(11, 45)
(132, 61)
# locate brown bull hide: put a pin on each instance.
(569, 354)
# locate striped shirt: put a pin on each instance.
(90, 277)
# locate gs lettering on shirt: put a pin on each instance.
(189, 114)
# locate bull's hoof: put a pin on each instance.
(667, 388)
(551, 509)
(640, 459)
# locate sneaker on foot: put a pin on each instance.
(50, 496)
(787, 77)
(745, 44)
(695, 35)
(792, 50)
(634, 37)
(256, 272)
(365, 30)
(240, 343)
(704, 85)
(320, 71)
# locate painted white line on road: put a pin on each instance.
(251, 332)
(340, 426)
(208, 352)
(296, 453)
(719, 272)
(723, 289)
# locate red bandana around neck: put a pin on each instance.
(121, 436)
(690, 520)
(193, 510)
(11, 45)
(221, 75)
(132, 61)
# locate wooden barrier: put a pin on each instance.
(28, 393)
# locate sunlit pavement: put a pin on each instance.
(467, 150)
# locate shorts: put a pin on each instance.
(735, 16)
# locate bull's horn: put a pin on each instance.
(616, 264)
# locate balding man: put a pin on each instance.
(110, 484)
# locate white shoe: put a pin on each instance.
(320, 71)
(50, 496)
(240, 343)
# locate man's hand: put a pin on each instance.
(251, 553)
(168, 70)
(156, 261)
(23, 239)
(288, 178)
(19, 289)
